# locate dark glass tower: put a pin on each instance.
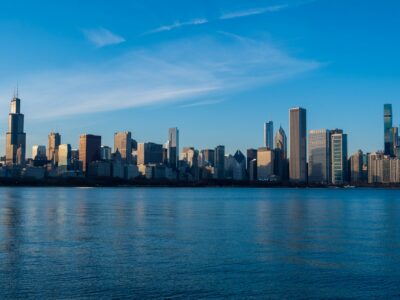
(388, 134)
(15, 137)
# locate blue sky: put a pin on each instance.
(216, 69)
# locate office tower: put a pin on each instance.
(281, 162)
(338, 156)
(105, 153)
(382, 168)
(54, 140)
(149, 153)
(239, 167)
(388, 123)
(251, 154)
(269, 135)
(375, 167)
(190, 157)
(394, 132)
(15, 137)
(207, 157)
(265, 163)
(357, 168)
(64, 156)
(219, 160)
(319, 156)
(89, 149)
(281, 141)
(252, 170)
(134, 145)
(39, 152)
(173, 148)
(123, 143)
(298, 145)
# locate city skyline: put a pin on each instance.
(73, 69)
(121, 139)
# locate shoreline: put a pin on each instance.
(112, 182)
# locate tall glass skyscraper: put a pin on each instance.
(319, 156)
(298, 145)
(269, 135)
(388, 134)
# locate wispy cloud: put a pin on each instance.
(189, 71)
(253, 11)
(178, 24)
(203, 103)
(102, 37)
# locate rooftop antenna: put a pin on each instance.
(17, 90)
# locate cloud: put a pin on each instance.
(178, 25)
(203, 103)
(186, 71)
(253, 11)
(102, 37)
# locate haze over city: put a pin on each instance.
(216, 69)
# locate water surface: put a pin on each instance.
(199, 243)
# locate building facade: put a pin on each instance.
(388, 135)
(89, 149)
(265, 164)
(269, 135)
(149, 153)
(123, 144)
(319, 156)
(64, 156)
(219, 160)
(15, 137)
(39, 152)
(298, 145)
(357, 172)
(54, 140)
(339, 157)
(173, 147)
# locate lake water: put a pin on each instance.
(199, 243)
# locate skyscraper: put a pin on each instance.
(298, 145)
(123, 143)
(207, 157)
(149, 153)
(388, 135)
(339, 156)
(105, 153)
(89, 149)
(356, 168)
(250, 155)
(15, 137)
(39, 152)
(281, 141)
(281, 162)
(173, 149)
(64, 157)
(54, 140)
(319, 156)
(219, 162)
(265, 163)
(269, 135)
